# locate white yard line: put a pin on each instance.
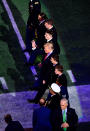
(3, 82)
(71, 75)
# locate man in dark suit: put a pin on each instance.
(46, 63)
(53, 101)
(49, 38)
(64, 118)
(32, 22)
(55, 61)
(41, 118)
(50, 27)
(34, 10)
(44, 76)
(12, 125)
(62, 81)
(52, 79)
(40, 30)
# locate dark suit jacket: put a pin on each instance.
(41, 119)
(45, 69)
(62, 80)
(14, 126)
(53, 76)
(57, 119)
(40, 34)
(33, 12)
(54, 102)
(54, 33)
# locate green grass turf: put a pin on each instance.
(12, 68)
(72, 23)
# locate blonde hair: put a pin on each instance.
(49, 45)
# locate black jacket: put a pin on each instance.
(54, 102)
(62, 81)
(57, 119)
(14, 126)
(45, 69)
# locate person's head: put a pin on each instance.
(48, 35)
(54, 89)
(33, 44)
(55, 59)
(42, 16)
(58, 69)
(48, 23)
(8, 118)
(42, 102)
(63, 103)
(48, 47)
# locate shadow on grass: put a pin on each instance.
(9, 36)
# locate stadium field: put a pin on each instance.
(72, 20)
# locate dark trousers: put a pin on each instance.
(40, 93)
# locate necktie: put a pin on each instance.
(45, 57)
(64, 119)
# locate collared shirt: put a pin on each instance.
(54, 65)
(51, 28)
(41, 22)
(33, 48)
(65, 112)
(49, 54)
(60, 75)
(49, 40)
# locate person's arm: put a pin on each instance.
(73, 120)
(34, 121)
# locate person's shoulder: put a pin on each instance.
(63, 76)
(71, 110)
(53, 28)
(37, 109)
(16, 122)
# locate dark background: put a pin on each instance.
(72, 20)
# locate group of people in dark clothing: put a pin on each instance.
(41, 39)
(55, 113)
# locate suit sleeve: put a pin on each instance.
(34, 121)
(73, 118)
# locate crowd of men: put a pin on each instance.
(41, 39)
(54, 113)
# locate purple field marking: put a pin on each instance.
(84, 97)
(14, 24)
(21, 42)
(84, 104)
(18, 107)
